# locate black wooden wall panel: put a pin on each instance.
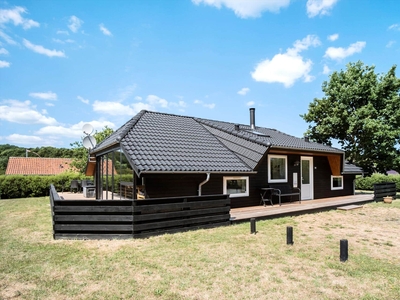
(322, 180)
(176, 185)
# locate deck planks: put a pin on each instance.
(290, 209)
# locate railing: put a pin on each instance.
(121, 219)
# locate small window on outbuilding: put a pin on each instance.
(337, 182)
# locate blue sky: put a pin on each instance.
(67, 63)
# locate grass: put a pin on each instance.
(221, 263)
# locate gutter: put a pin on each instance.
(203, 183)
(195, 172)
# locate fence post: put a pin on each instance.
(253, 225)
(289, 235)
(344, 250)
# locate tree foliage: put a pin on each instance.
(361, 110)
(80, 153)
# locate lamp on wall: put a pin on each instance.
(296, 163)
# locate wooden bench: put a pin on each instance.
(384, 189)
(285, 190)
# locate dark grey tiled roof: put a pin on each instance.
(159, 142)
(170, 143)
(266, 135)
(351, 169)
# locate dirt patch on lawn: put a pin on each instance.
(365, 229)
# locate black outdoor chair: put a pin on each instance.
(75, 186)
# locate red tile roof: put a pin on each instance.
(37, 166)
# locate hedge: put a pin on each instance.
(20, 186)
(367, 183)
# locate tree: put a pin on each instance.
(80, 153)
(361, 110)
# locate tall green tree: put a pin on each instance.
(361, 111)
(80, 153)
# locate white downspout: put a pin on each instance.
(203, 183)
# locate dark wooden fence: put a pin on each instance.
(121, 219)
(384, 189)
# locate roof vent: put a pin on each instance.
(237, 127)
(252, 118)
(307, 139)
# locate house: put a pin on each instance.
(37, 166)
(172, 155)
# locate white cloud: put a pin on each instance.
(23, 113)
(65, 32)
(207, 105)
(288, 67)
(86, 101)
(104, 30)
(341, 53)
(390, 44)
(333, 37)
(69, 41)
(15, 16)
(26, 140)
(180, 105)
(72, 131)
(4, 64)
(394, 27)
(7, 38)
(3, 51)
(126, 92)
(151, 102)
(250, 103)
(154, 100)
(44, 95)
(74, 23)
(247, 8)
(119, 109)
(243, 91)
(326, 70)
(41, 50)
(319, 7)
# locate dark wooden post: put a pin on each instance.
(253, 225)
(344, 250)
(289, 235)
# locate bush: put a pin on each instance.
(20, 186)
(367, 183)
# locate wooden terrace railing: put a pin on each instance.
(122, 219)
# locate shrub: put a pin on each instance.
(367, 183)
(20, 186)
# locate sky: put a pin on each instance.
(64, 64)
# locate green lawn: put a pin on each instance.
(221, 263)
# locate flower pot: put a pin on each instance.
(387, 199)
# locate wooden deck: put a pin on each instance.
(296, 208)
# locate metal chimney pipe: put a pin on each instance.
(252, 118)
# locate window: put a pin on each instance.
(236, 186)
(337, 182)
(277, 168)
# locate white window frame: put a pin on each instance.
(339, 187)
(269, 168)
(225, 180)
